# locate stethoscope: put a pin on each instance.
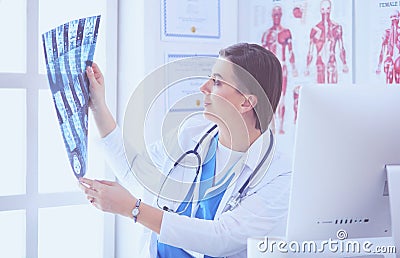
(235, 199)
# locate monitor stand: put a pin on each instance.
(393, 176)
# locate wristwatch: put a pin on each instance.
(135, 211)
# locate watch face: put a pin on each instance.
(135, 212)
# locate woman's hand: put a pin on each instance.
(97, 87)
(108, 196)
(104, 120)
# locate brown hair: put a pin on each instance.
(263, 65)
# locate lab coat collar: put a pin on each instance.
(197, 137)
(257, 150)
(252, 158)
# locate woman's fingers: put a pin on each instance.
(96, 88)
(108, 196)
(90, 187)
(96, 68)
(90, 199)
(98, 75)
(92, 193)
(86, 181)
(105, 182)
(90, 75)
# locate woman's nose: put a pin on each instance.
(205, 88)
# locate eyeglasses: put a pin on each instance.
(219, 82)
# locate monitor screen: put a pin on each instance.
(345, 136)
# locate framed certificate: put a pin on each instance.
(182, 19)
(184, 95)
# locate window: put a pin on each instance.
(13, 136)
(42, 211)
(13, 29)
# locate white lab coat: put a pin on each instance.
(263, 212)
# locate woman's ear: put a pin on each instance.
(249, 103)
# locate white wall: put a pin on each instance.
(130, 72)
(157, 50)
(140, 51)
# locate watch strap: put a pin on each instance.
(135, 211)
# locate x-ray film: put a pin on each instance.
(68, 49)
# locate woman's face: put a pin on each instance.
(222, 101)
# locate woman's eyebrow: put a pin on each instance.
(218, 75)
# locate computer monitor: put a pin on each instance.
(345, 135)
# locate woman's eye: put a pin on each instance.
(216, 82)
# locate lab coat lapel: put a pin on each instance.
(255, 182)
(236, 170)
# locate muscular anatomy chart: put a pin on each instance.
(278, 40)
(313, 41)
(68, 49)
(326, 39)
(390, 48)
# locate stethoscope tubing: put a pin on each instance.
(196, 153)
(234, 199)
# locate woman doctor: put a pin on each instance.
(240, 190)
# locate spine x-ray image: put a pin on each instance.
(68, 49)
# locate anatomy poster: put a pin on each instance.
(382, 49)
(313, 41)
(68, 49)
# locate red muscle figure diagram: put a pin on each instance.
(325, 36)
(391, 41)
(278, 40)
